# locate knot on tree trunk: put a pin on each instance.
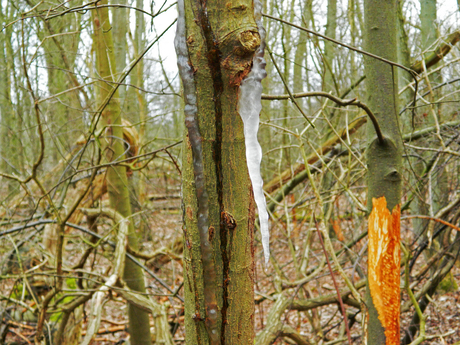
(238, 50)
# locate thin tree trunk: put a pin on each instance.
(117, 183)
(428, 22)
(329, 48)
(8, 135)
(60, 39)
(138, 79)
(301, 51)
(384, 176)
(120, 30)
(404, 59)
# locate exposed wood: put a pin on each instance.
(384, 261)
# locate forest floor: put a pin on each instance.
(320, 326)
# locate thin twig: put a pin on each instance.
(434, 219)
(412, 72)
(288, 89)
(339, 101)
(342, 306)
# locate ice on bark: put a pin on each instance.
(249, 106)
(190, 110)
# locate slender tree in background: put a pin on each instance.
(61, 38)
(216, 42)
(428, 36)
(300, 65)
(404, 58)
(120, 30)
(384, 160)
(140, 106)
(8, 133)
(428, 16)
(435, 114)
(117, 183)
(329, 48)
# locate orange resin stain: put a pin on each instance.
(384, 266)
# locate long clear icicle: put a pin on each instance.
(249, 106)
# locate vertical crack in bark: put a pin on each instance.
(213, 56)
(384, 266)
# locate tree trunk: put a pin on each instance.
(120, 30)
(428, 22)
(117, 183)
(329, 48)
(61, 39)
(300, 68)
(384, 176)
(9, 140)
(215, 43)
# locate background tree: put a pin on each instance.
(117, 183)
(384, 175)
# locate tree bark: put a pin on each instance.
(117, 184)
(428, 22)
(384, 175)
(215, 52)
(329, 48)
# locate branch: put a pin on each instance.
(312, 158)
(436, 56)
(119, 263)
(412, 72)
(290, 96)
(339, 101)
(342, 307)
(434, 219)
(292, 334)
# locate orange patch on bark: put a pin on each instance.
(337, 229)
(384, 266)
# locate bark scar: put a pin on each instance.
(384, 266)
(229, 220)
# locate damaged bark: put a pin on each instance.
(384, 161)
(215, 44)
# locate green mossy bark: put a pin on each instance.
(329, 48)
(120, 17)
(428, 16)
(9, 135)
(227, 180)
(384, 160)
(117, 183)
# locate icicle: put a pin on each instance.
(249, 105)
(190, 110)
